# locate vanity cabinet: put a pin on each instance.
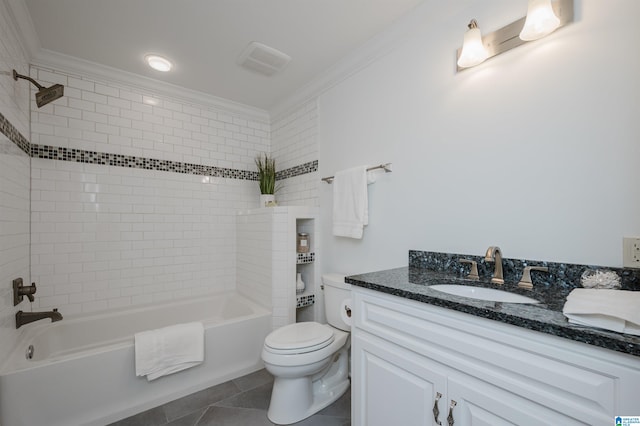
(408, 357)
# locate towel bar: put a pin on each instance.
(385, 166)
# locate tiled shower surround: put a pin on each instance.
(106, 236)
(135, 197)
(14, 177)
(294, 143)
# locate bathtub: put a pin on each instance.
(83, 372)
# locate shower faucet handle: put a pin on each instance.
(473, 275)
(525, 281)
(20, 290)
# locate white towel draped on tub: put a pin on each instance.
(350, 202)
(169, 350)
(616, 310)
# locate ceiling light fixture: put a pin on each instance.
(543, 17)
(158, 63)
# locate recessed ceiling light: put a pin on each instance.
(158, 63)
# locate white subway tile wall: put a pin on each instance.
(111, 118)
(266, 259)
(254, 258)
(107, 236)
(283, 297)
(14, 236)
(294, 141)
(14, 181)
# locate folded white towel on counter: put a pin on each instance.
(169, 350)
(350, 202)
(615, 310)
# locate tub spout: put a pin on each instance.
(23, 318)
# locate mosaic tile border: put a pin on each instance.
(302, 301)
(14, 135)
(119, 160)
(303, 258)
(302, 169)
(93, 157)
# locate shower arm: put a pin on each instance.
(16, 76)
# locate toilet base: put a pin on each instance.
(295, 399)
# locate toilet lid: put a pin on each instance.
(300, 337)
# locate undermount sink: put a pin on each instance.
(482, 293)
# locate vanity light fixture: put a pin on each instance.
(473, 51)
(158, 63)
(543, 17)
(541, 20)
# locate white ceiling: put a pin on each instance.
(204, 38)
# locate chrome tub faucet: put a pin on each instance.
(23, 318)
(495, 255)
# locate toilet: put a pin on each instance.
(309, 360)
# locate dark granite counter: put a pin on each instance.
(546, 317)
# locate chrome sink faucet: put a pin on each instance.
(495, 255)
(23, 318)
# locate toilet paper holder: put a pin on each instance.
(348, 311)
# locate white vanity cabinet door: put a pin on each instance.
(497, 373)
(478, 403)
(394, 386)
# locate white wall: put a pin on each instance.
(106, 236)
(14, 180)
(536, 150)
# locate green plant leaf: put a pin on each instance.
(266, 174)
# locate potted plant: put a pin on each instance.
(267, 180)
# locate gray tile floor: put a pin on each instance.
(240, 402)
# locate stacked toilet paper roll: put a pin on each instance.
(345, 311)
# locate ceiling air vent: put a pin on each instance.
(263, 59)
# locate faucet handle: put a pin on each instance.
(20, 290)
(473, 275)
(525, 281)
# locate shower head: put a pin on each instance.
(44, 95)
(49, 94)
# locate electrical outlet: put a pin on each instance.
(631, 252)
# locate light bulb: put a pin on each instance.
(541, 20)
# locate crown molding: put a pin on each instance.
(330, 78)
(72, 65)
(21, 17)
(370, 52)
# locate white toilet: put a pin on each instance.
(309, 360)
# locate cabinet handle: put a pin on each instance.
(450, 417)
(436, 411)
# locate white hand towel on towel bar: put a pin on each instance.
(350, 202)
(169, 350)
(615, 310)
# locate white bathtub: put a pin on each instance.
(83, 372)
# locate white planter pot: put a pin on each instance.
(267, 200)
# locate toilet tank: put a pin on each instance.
(336, 292)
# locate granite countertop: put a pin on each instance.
(546, 317)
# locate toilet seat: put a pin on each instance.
(299, 338)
